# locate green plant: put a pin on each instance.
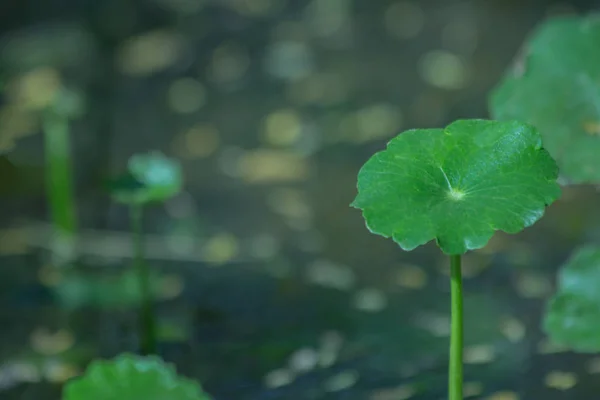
(556, 87)
(42, 102)
(149, 178)
(65, 106)
(132, 377)
(573, 314)
(457, 186)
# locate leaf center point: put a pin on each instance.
(456, 194)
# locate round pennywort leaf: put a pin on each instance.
(150, 177)
(133, 378)
(573, 315)
(556, 87)
(457, 185)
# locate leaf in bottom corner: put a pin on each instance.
(131, 377)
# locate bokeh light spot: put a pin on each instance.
(282, 128)
(150, 53)
(186, 96)
(443, 70)
(560, 380)
(200, 141)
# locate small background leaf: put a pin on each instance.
(573, 315)
(559, 93)
(150, 177)
(133, 378)
(457, 185)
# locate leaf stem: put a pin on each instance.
(146, 312)
(59, 180)
(455, 377)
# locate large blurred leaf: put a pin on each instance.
(557, 89)
(457, 185)
(130, 377)
(573, 315)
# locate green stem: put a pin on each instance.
(455, 378)
(146, 313)
(59, 180)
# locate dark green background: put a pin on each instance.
(247, 316)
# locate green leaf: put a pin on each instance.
(573, 321)
(573, 315)
(131, 377)
(556, 87)
(457, 185)
(150, 177)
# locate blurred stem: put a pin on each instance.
(59, 181)
(455, 378)
(146, 314)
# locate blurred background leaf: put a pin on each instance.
(572, 318)
(555, 87)
(150, 178)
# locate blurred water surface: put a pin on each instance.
(268, 284)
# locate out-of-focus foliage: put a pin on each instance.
(31, 96)
(150, 178)
(34, 63)
(573, 315)
(556, 87)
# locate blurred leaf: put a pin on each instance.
(574, 321)
(124, 188)
(573, 315)
(457, 185)
(558, 90)
(130, 377)
(581, 274)
(150, 177)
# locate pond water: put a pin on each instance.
(268, 284)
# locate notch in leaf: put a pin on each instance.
(150, 177)
(133, 378)
(556, 87)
